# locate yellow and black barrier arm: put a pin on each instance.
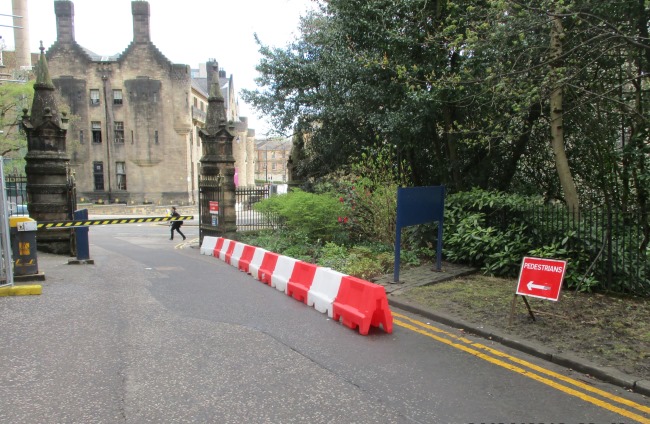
(89, 222)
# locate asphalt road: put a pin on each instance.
(154, 332)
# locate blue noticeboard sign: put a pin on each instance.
(419, 205)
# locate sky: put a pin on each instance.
(188, 32)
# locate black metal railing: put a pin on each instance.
(612, 246)
(16, 188)
(248, 219)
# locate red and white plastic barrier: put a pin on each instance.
(234, 254)
(282, 272)
(217, 247)
(324, 289)
(361, 305)
(208, 245)
(244, 260)
(356, 302)
(267, 268)
(225, 247)
(256, 262)
(300, 281)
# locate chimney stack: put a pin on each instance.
(140, 10)
(64, 11)
(21, 35)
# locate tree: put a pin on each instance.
(557, 116)
(14, 97)
(530, 96)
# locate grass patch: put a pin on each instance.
(606, 330)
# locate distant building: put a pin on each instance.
(271, 159)
(135, 116)
(10, 71)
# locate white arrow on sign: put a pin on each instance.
(532, 285)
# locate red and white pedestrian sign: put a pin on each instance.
(541, 278)
(214, 206)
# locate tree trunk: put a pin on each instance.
(509, 167)
(557, 130)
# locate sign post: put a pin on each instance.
(541, 278)
(419, 205)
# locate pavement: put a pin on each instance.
(426, 275)
(420, 276)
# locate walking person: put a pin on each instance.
(176, 225)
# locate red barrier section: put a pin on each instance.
(245, 259)
(268, 266)
(300, 281)
(231, 248)
(362, 304)
(226, 244)
(217, 247)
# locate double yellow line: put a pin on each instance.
(527, 369)
(184, 243)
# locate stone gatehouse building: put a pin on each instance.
(133, 133)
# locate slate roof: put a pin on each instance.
(200, 85)
(99, 58)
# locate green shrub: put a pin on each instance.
(577, 262)
(368, 189)
(364, 262)
(469, 240)
(334, 256)
(509, 248)
(409, 258)
(314, 215)
(373, 212)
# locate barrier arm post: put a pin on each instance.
(81, 235)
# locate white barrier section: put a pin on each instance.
(236, 254)
(207, 247)
(324, 289)
(256, 263)
(224, 249)
(282, 273)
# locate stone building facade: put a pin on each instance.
(132, 135)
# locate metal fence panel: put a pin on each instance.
(16, 192)
(6, 259)
(248, 219)
(613, 244)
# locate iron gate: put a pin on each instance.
(248, 219)
(210, 190)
